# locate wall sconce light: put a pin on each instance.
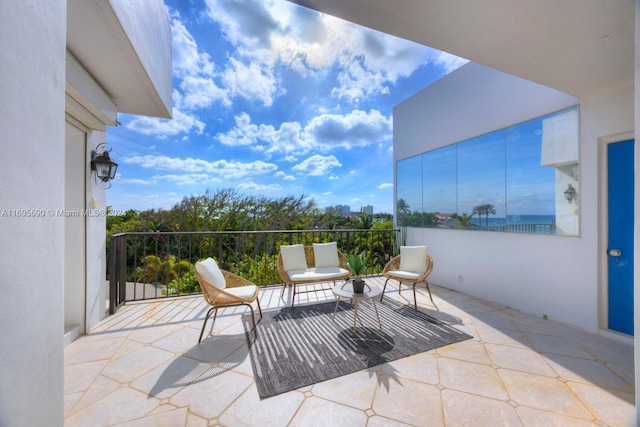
(104, 166)
(570, 193)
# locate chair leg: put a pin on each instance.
(430, 296)
(284, 285)
(259, 309)
(205, 321)
(383, 288)
(415, 303)
(293, 295)
(253, 319)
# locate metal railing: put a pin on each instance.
(149, 265)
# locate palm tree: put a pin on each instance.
(489, 209)
(478, 210)
(402, 206)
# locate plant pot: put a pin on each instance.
(358, 286)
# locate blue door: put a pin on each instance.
(620, 245)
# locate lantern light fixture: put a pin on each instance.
(103, 164)
(570, 193)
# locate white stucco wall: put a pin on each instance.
(636, 263)
(553, 275)
(96, 224)
(74, 227)
(32, 135)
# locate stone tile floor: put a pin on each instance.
(143, 367)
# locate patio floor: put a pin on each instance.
(143, 367)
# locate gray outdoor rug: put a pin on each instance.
(301, 346)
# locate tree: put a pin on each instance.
(478, 210)
(489, 209)
(463, 220)
(365, 221)
(402, 206)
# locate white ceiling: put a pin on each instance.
(580, 47)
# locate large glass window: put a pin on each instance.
(510, 180)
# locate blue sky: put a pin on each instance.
(275, 100)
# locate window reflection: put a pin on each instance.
(509, 180)
(409, 203)
(481, 179)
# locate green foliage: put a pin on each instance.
(462, 221)
(358, 263)
(169, 271)
(417, 219)
(166, 259)
(184, 284)
(263, 271)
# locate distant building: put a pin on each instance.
(367, 209)
(343, 210)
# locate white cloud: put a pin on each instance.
(385, 185)
(250, 81)
(317, 165)
(244, 133)
(284, 176)
(134, 181)
(267, 33)
(357, 128)
(323, 132)
(259, 187)
(450, 62)
(187, 58)
(286, 139)
(244, 21)
(201, 92)
(223, 168)
(181, 123)
(188, 179)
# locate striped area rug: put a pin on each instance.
(300, 346)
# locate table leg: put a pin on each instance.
(377, 315)
(355, 313)
(335, 309)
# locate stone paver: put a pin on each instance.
(144, 367)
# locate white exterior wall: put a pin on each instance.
(636, 207)
(539, 274)
(75, 264)
(96, 200)
(32, 141)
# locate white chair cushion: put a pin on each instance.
(413, 258)
(317, 274)
(244, 292)
(210, 272)
(406, 275)
(326, 254)
(293, 257)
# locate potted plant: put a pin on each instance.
(358, 266)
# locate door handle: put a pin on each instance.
(615, 252)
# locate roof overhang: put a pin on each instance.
(580, 47)
(126, 48)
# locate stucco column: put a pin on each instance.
(32, 85)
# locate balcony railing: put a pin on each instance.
(153, 265)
